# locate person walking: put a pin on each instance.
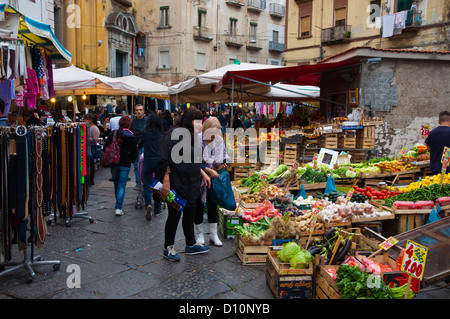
(439, 138)
(94, 135)
(214, 158)
(138, 124)
(128, 153)
(182, 175)
(151, 143)
(114, 121)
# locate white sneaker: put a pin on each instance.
(119, 212)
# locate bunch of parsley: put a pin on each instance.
(351, 283)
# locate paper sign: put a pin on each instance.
(313, 224)
(444, 153)
(316, 156)
(388, 243)
(251, 173)
(414, 259)
(263, 177)
(295, 165)
(445, 164)
(350, 194)
(425, 130)
(403, 151)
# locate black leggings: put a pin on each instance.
(172, 225)
(212, 211)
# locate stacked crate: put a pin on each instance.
(347, 140)
(365, 137)
(329, 141)
(290, 154)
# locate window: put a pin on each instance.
(404, 5)
(201, 18)
(305, 26)
(164, 17)
(253, 26)
(164, 59)
(233, 26)
(275, 35)
(340, 17)
(305, 19)
(201, 61)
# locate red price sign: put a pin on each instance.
(444, 154)
(316, 156)
(425, 130)
(295, 165)
(388, 243)
(350, 194)
(263, 177)
(403, 151)
(414, 259)
(445, 164)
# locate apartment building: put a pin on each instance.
(188, 38)
(319, 29)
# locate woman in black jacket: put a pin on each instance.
(179, 169)
(128, 154)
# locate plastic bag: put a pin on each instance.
(221, 191)
(352, 261)
(374, 267)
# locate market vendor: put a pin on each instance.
(437, 140)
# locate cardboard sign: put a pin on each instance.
(425, 130)
(413, 262)
(350, 194)
(444, 153)
(445, 164)
(263, 177)
(388, 243)
(403, 151)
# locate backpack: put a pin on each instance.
(111, 155)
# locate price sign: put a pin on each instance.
(316, 156)
(445, 153)
(251, 173)
(414, 259)
(403, 151)
(350, 194)
(445, 164)
(263, 177)
(425, 130)
(295, 165)
(388, 243)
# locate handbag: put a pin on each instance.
(111, 156)
(221, 191)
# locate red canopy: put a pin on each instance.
(294, 75)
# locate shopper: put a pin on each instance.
(128, 153)
(151, 143)
(182, 176)
(237, 123)
(94, 135)
(437, 140)
(138, 124)
(214, 158)
(114, 121)
(37, 119)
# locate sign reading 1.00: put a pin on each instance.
(414, 259)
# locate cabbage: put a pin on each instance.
(288, 251)
(298, 260)
(350, 173)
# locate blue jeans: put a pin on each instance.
(120, 177)
(150, 166)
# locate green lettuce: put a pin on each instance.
(288, 251)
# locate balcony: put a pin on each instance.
(236, 3)
(336, 34)
(413, 21)
(234, 41)
(277, 10)
(253, 44)
(276, 47)
(203, 34)
(256, 5)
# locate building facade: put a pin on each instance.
(187, 38)
(319, 29)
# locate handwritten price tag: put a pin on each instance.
(263, 177)
(445, 164)
(414, 259)
(444, 154)
(425, 130)
(350, 194)
(403, 151)
(316, 156)
(295, 165)
(388, 243)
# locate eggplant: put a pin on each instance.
(309, 244)
(344, 251)
(314, 250)
(327, 261)
(329, 233)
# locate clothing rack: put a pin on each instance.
(22, 167)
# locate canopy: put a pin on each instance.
(202, 87)
(288, 92)
(40, 34)
(146, 87)
(73, 80)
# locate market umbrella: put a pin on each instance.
(206, 88)
(286, 92)
(75, 81)
(146, 87)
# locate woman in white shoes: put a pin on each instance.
(214, 158)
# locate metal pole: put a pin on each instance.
(232, 100)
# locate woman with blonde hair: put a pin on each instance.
(214, 158)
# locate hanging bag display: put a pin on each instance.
(111, 156)
(221, 191)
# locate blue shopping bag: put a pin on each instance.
(221, 191)
(434, 215)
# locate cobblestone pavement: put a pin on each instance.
(121, 258)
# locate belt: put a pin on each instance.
(39, 180)
(63, 164)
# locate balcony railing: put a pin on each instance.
(236, 3)
(336, 34)
(234, 41)
(413, 20)
(256, 5)
(253, 44)
(203, 34)
(277, 10)
(276, 46)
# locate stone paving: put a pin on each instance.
(121, 258)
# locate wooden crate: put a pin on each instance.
(366, 132)
(410, 218)
(329, 141)
(365, 143)
(239, 172)
(286, 283)
(251, 253)
(325, 284)
(347, 142)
